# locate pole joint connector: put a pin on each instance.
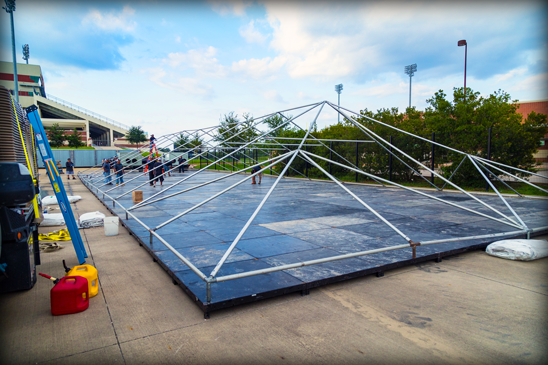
(414, 245)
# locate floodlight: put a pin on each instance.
(26, 53)
(410, 70)
(10, 6)
(338, 89)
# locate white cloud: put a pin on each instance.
(259, 68)
(327, 40)
(203, 61)
(251, 34)
(111, 21)
(178, 39)
(187, 85)
(536, 83)
(511, 74)
(273, 95)
(235, 7)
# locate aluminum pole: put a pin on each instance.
(417, 192)
(425, 167)
(250, 220)
(15, 79)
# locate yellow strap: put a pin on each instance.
(61, 235)
(22, 138)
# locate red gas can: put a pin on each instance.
(70, 295)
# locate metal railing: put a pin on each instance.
(87, 111)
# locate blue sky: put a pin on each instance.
(169, 66)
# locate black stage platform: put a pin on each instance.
(303, 220)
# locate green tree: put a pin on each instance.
(276, 121)
(182, 141)
(247, 128)
(74, 139)
(228, 129)
(464, 124)
(136, 135)
(56, 135)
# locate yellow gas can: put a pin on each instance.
(88, 272)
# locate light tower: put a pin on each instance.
(338, 89)
(461, 43)
(10, 8)
(410, 70)
(26, 53)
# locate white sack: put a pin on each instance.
(53, 219)
(52, 199)
(519, 249)
(91, 219)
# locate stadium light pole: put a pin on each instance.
(338, 89)
(410, 70)
(461, 43)
(10, 8)
(26, 53)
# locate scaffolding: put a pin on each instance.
(220, 145)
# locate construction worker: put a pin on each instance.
(119, 168)
(158, 171)
(106, 172)
(69, 167)
(150, 167)
(254, 170)
(152, 142)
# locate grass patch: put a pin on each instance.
(520, 187)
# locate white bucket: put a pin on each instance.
(111, 225)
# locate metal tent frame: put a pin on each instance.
(238, 145)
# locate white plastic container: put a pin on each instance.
(111, 226)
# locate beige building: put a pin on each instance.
(94, 129)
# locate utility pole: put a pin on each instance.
(410, 70)
(338, 89)
(10, 8)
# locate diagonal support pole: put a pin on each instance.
(515, 225)
(498, 193)
(250, 220)
(357, 198)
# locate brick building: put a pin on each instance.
(538, 106)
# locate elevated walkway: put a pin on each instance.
(69, 116)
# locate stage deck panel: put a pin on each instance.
(302, 220)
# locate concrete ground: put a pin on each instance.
(471, 308)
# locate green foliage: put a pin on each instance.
(56, 135)
(228, 130)
(136, 135)
(74, 139)
(275, 123)
(461, 123)
(464, 123)
(248, 130)
(182, 142)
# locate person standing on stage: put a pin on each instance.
(119, 168)
(150, 167)
(158, 171)
(106, 172)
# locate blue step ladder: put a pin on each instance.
(56, 182)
